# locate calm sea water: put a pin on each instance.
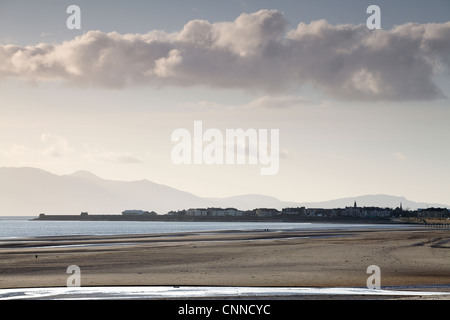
(20, 227)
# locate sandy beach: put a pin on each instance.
(415, 257)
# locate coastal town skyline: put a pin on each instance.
(370, 214)
(356, 111)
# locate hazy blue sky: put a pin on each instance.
(359, 111)
(30, 22)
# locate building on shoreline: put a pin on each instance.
(211, 212)
(433, 213)
(294, 211)
(351, 211)
(288, 214)
(138, 212)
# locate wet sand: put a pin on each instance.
(328, 258)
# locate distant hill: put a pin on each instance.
(30, 191)
(252, 201)
(378, 200)
(381, 200)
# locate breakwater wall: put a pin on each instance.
(184, 218)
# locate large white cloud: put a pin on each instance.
(256, 52)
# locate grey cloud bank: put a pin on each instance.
(254, 52)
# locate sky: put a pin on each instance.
(358, 111)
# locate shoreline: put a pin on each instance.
(430, 222)
(177, 218)
(217, 293)
(125, 228)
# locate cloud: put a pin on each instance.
(202, 105)
(286, 153)
(254, 52)
(99, 153)
(277, 102)
(14, 150)
(274, 102)
(57, 147)
(399, 156)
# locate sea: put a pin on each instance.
(27, 227)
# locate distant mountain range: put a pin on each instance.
(31, 191)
